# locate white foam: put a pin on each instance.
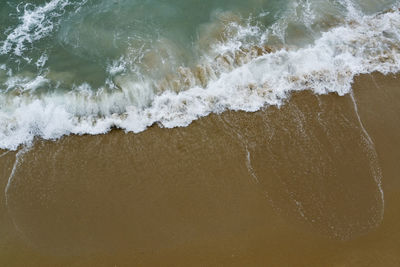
(363, 44)
(42, 61)
(24, 83)
(35, 24)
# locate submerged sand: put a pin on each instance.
(313, 183)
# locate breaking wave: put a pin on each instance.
(240, 64)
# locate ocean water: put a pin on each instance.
(85, 66)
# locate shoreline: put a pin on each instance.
(289, 185)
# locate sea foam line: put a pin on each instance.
(373, 156)
(17, 163)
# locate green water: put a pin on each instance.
(86, 37)
(86, 66)
(76, 41)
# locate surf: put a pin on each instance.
(234, 62)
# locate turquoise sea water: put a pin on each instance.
(85, 66)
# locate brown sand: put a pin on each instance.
(295, 186)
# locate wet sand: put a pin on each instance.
(313, 183)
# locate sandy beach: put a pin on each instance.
(312, 183)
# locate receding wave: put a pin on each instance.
(240, 64)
